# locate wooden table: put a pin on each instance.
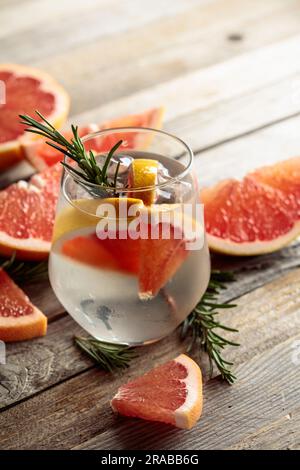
(228, 73)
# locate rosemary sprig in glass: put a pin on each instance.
(199, 327)
(89, 171)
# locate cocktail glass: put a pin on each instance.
(129, 262)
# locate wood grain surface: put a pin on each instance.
(228, 73)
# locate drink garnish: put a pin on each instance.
(89, 171)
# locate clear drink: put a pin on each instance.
(124, 290)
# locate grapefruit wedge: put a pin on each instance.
(27, 213)
(160, 259)
(41, 155)
(25, 90)
(259, 214)
(284, 176)
(170, 393)
(19, 318)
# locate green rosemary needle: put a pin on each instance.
(88, 169)
(202, 323)
(109, 356)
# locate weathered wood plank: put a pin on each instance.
(229, 119)
(253, 272)
(265, 317)
(262, 395)
(197, 38)
(263, 147)
(74, 25)
(250, 275)
(284, 433)
(83, 405)
(201, 89)
(17, 16)
(38, 364)
(42, 295)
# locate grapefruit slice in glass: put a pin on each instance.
(25, 90)
(170, 393)
(19, 318)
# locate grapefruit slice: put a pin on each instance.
(27, 89)
(27, 213)
(19, 318)
(153, 261)
(170, 393)
(42, 155)
(248, 218)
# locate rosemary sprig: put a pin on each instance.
(109, 356)
(21, 270)
(74, 149)
(202, 324)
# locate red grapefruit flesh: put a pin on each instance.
(248, 218)
(89, 250)
(27, 213)
(284, 176)
(26, 89)
(42, 155)
(171, 393)
(117, 255)
(19, 318)
(160, 259)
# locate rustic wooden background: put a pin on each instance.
(228, 73)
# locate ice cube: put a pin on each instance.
(125, 162)
(171, 191)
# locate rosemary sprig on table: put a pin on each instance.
(202, 324)
(23, 270)
(199, 326)
(109, 356)
(89, 170)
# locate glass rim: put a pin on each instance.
(173, 179)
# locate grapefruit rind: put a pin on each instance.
(231, 248)
(27, 327)
(184, 417)
(19, 318)
(188, 414)
(272, 214)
